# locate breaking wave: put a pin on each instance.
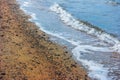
(86, 27)
(96, 71)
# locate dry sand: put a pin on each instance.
(26, 53)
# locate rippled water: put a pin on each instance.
(94, 47)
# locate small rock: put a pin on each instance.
(0, 16)
(2, 73)
(16, 35)
(2, 35)
(73, 65)
(1, 77)
(58, 73)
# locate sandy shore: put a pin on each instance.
(26, 53)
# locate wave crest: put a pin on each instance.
(86, 27)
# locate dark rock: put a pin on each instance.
(66, 51)
(51, 49)
(58, 73)
(68, 69)
(1, 77)
(32, 47)
(86, 77)
(2, 73)
(24, 78)
(0, 17)
(4, 27)
(73, 65)
(16, 35)
(1, 49)
(2, 35)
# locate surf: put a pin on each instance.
(86, 27)
(81, 48)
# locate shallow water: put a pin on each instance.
(93, 53)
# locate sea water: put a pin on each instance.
(89, 28)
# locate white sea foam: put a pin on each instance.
(58, 35)
(33, 15)
(96, 70)
(69, 20)
(26, 4)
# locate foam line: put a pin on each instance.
(96, 70)
(26, 4)
(69, 20)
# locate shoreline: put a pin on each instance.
(28, 54)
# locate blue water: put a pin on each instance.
(99, 13)
(94, 54)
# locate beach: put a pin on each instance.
(26, 53)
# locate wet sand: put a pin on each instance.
(26, 53)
